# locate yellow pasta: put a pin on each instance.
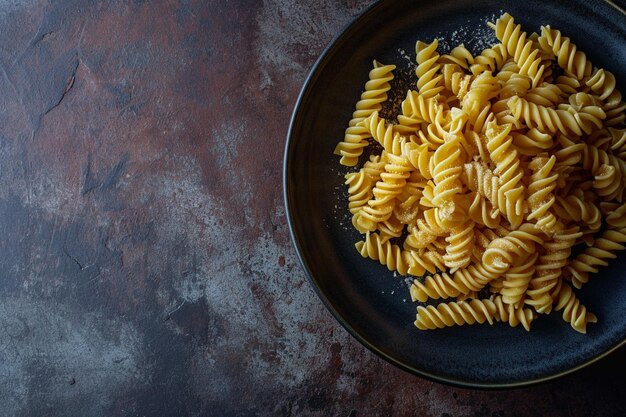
(375, 93)
(493, 171)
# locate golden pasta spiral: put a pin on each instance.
(390, 228)
(420, 157)
(601, 82)
(490, 59)
(384, 252)
(546, 94)
(532, 142)
(380, 208)
(360, 183)
(384, 133)
(517, 45)
(541, 193)
(435, 287)
(455, 313)
(618, 142)
(458, 56)
(425, 231)
(375, 93)
(573, 311)
(504, 155)
(483, 88)
(567, 55)
(502, 252)
(455, 80)
(516, 280)
(407, 208)
(423, 261)
(616, 218)
(460, 245)
(615, 109)
(607, 170)
(429, 82)
(568, 83)
(549, 267)
(446, 172)
(570, 152)
(597, 255)
(514, 316)
(576, 209)
(482, 212)
(564, 119)
(417, 109)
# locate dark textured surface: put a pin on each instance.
(145, 264)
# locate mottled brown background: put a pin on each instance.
(145, 261)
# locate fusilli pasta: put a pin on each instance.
(493, 171)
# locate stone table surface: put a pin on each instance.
(145, 261)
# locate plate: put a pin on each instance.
(367, 299)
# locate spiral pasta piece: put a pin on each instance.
(460, 56)
(483, 88)
(567, 55)
(565, 119)
(455, 313)
(387, 254)
(422, 261)
(390, 228)
(514, 316)
(435, 287)
(380, 208)
(456, 81)
(516, 280)
(509, 171)
(384, 133)
(461, 243)
(419, 156)
(615, 109)
(573, 311)
(429, 82)
(532, 142)
(607, 170)
(576, 209)
(517, 45)
(490, 59)
(480, 179)
(417, 109)
(601, 82)
(616, 218)
(548, 95)
(541, 193)
(570, 152)
(425, 231)
(482, 212)
(502, 252)
(549, 268)
(375, 93)
(407, 208)
(360, 183)
(446, 173)
(597, 255)
(618, 142)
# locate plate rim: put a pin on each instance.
(456, 382)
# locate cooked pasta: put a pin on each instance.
(492, 173)
(375, 93)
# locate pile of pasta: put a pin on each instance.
(496, 167)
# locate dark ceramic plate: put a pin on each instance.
(366, 298)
